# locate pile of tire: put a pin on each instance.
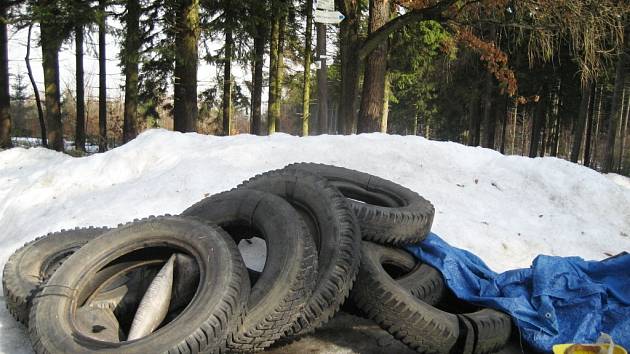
(333, 237)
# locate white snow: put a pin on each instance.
(505, 209)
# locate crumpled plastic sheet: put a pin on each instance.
(556, 300)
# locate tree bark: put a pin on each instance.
(322, 81)
(5, 98)
(257, 82)
(79, 135)
(615, 110)
(308, 53)
(488, 117)
(349, 44)
(372, 99)
(186, 61)
(538, 122)
(503, 115)
(475, 124)
(131, 61)
(50, 63)
(272, 118)
(589, 126)
(280, 64)
(622, 136)
(227, 76)
(38, 100)
(580, 124)
(102, 79)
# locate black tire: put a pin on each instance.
(202, 326)
(336, 233)
(388, 213)
(417, 324)
(492, 330)
(288, 278)
(35, 262)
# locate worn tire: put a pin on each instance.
(280, 293)
(336, 233)
(492, 330)
(417, 324)
(388, 213)
(202, 326)
(35, 262)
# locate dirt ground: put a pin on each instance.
(348, 334)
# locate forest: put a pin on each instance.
(523, 77)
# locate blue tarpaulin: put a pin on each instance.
(556, 300)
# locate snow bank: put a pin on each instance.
(506, 209)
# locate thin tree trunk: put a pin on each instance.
(615, 109)
(371, 110)
(622, 136)
(50, 63)
(5, 98)
(102, 79)
(578, 131)
(322, 81)
(308, 53)
(349, 43)
(589, 126)
(131, 67)
(475, 123)
(79, 137)
(504, 122)
(257, 80)
(488, 117)
(598, 117)
(38, 100)
(513, 150)
(186, 61)
(538, 122)
(227, 79)
(386, 105)
(280, 75)
(272, 119)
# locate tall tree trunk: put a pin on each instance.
(372, 99)
(589, 126)
(5, 98)
(79, 136)
(578, 128)
(227, 79)
(50, 64)
(38, 100)
(488, 117)
(102, 79)
(622, 136)
(322, 81)
(280, 64)
(131, 61)
(538, 122)
(272, 119)
(505, 121)
(185, 88)
(348, 46)
(257, 81)
(615, 109)
(475, 123)
(386, 105)
(308, 53)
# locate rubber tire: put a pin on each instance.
(201, 327)
(417, 324)
(280, 293)
(35, 262)
(492, 330)
(388, 213)
(337, 236)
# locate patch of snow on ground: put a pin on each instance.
(505, 209)
(619, 179)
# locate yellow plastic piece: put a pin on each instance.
(600, 348)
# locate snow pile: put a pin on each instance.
(505, 209)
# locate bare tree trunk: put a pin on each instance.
(257, 80)
(322, 80)
(5, 98)
(186, 62)
(372, 99)
(102, 79)
(488, 117)
(227, 79)
(589, 126)
(475, 123)
(308, 53)
(622, 136)
(386, 105)
(50, 63)
(578, 131)
(504, 122)
(131, 61)
(272, 118)
(615, 109)
(79, 137)
(349, 43)
(38, 100)
(538, 122)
